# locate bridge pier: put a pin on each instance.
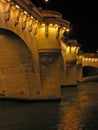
(69, 52)
(79, 72)
(69, 76)
(50, 66)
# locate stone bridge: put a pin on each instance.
(87, 64)
(90, 64)
(36, 55)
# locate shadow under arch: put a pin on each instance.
(89, 71)
(16, 64)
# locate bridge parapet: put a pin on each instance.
(90, 59)
(46, 29)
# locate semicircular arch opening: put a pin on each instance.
(16, 64)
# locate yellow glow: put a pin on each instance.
(77, 49)
(67, 29)
(36, 21)
(17, 6)
(68, 49)
(3, 1)
(85, 59)
(93, 59)
(25, 12)
(42, 31)
(80, 57)
(32, 17)
(43, 24)
(89, 59)
(96, 60)
(52, 30)
(73, 49)
(56, 25)
(50, 24)
(64, 28)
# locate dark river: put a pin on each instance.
(77, 110)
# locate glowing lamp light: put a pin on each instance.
(43, 24)
(46, 0)
(50, 24)
(36, 21)
(64, 28)
(17, 7)
(25, 12)
(56, 25)
(31, 17)
(67, 29)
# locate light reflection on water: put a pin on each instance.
(75, 111)
(78, 106)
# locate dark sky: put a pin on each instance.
(83, 19)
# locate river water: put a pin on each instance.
(77, 110)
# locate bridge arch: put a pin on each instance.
(17, 69)
(9, 37)
(9, 16)
(89, 71)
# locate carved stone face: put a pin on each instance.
(71, 63)
(48, 58)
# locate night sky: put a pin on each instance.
(83, 20)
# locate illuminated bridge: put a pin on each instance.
(90, 64)
(36, 56)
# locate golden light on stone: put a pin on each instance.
(56, 25)
(50, 24)
(68, 49)
(89, 59)
(3, 1)
(36, 21)
(64, 28)
(86, 59)
(55, 52)
(43, 24)
(77, 48)
(95, 59)
(73, 48)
